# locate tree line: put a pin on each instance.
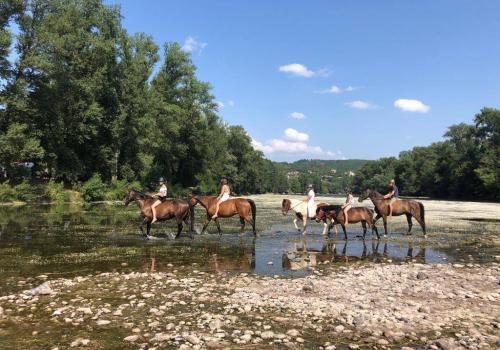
(83, 100)
(466, 165)
(80, 96)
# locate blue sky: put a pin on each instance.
(366, 78)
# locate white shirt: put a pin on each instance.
(163, 190)
(310, 197)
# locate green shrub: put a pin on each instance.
(55, 192)
(94, 189)
(118, 189)
(7, 192)
(27, 192)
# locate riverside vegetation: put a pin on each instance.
(82, 99)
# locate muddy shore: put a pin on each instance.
(409, 306)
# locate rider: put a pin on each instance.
(393, 195)
(223, 196)
(310, 200)
(161, 197)
(349, 202)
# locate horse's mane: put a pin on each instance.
(329, 207)
(140, 194)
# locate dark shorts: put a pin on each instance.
(161, 199)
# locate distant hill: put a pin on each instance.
(327, 176)
(324, 167)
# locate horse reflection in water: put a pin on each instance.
(301, 256)
(241, 259)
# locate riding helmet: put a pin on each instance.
(162, 179)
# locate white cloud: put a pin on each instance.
(297, 69)
(409, 105)
(295, 135)
(297, 115)
(220, 104)
(334, 89)
(261, 147)
(193, 45)
(279, 145)
(358, 104)
(231, 103)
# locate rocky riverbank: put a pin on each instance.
(359, 306)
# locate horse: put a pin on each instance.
(408, 207)
(300, 209)
(336, 214)
(243, 207)
(179, 209)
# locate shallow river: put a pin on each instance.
(70, 240)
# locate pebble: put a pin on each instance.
(131, 338)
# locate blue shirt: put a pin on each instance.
(396, 191)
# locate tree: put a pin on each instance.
(18, 147)
(488, 133)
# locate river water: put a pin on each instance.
(39, 242)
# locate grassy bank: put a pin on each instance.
(53, 192)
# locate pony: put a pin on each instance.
(336, 214)
(408, 207)
(243, 207)
(300, 209)
(180, 209)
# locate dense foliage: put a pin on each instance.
(83, 97)
(465, 165)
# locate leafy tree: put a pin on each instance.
(18, 147)
(488, 133)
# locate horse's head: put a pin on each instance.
(193, 200)
(320, 214)
(365, 194)
(131, 196)
(285, 206)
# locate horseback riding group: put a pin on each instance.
(160, 208)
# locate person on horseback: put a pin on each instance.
(223, 196)
(310, 201)
(349, 203)
(393, 195)
(161, 197)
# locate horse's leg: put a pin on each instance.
(206, 224)
(295, 223)
(384, 218)
(218, 225)
(325, 228)
(410, 224)
(148, 229)
(304, 225)
(374, 228)
(179, 228)
(345, 232)
(422, 224)
(242, 222)
(141, 226)
(363, 223)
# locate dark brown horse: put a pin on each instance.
(179, 209)
(336, 215)
(243, 207)
(408, 207)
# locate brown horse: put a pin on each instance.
(243, 207)
(336, 215)
(179, 209)
(408, 207)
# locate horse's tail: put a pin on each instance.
(422, 211)
(191, 217)
(254, 212)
